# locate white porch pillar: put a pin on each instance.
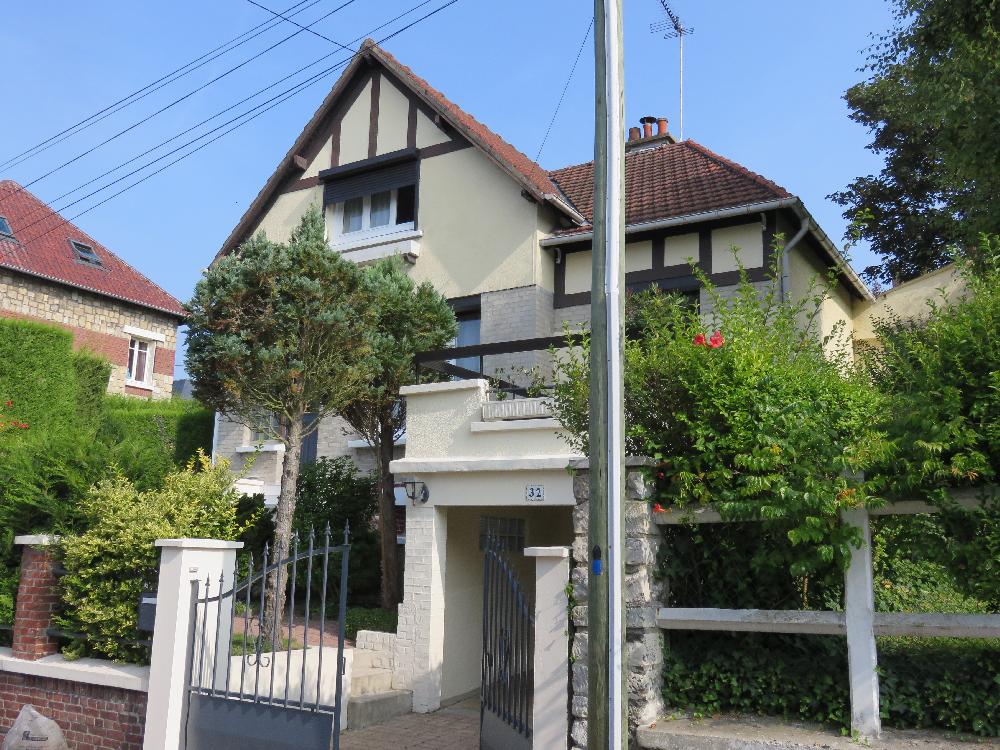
(184, 562)
(549, 716)
(420, 632)
(859, 613)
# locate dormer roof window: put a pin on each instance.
(85, 253)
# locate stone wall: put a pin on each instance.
(644, 592)
(97, 324)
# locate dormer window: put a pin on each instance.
(5, 230)
(85, 253)
(375, 213)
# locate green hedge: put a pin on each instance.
(368, 618)
(148, 439)
(92, 375)
(37, 372)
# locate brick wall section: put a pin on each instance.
(37, 599)
(91, 717)
(97, 324)
(644, 595)
(513, 314)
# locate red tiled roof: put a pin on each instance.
(675, 179)
(41, 247)
(528, 169)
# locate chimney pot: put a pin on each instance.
(661, 126)
(634, 134)
(647, 126)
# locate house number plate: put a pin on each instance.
(534, 492)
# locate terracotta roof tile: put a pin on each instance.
(675, 179)
(41, 247)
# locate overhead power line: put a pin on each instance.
(288, 94)
(150, 88)
(175, 102)
(304, 28)
(562, 96)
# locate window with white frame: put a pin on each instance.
(140, 362)
(376, 213)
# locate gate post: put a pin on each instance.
(859, 614)
(184, 564)
(550, 709)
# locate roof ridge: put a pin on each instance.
(736, 167)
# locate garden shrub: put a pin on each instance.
(331, 491)
(111, 563)
(369, 618)
(744, 411)
(148, 439)
(92, 375)
(37, 372)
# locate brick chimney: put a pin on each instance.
(661, 125)
(634, 134)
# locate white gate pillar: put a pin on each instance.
(550, 710)
(183, 564)
(419, 651)
(859, 613)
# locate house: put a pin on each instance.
(399, 169)
(52, 271)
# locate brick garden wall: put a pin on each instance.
(92, 717)
(96, 323)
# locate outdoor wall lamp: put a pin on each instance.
(416, 491)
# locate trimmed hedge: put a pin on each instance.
(37, 372)
(92, 375)
(149, 439)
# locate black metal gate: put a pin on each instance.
(507, 687)
(251, 684)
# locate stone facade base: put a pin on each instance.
(644, 595)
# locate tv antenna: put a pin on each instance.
(675, 30)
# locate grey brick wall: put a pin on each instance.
(513, 314)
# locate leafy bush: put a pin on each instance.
(369, 618)
(941, 376)
(330, 491)
(149, 439)
(111, 563)
(92, 374)
(755, 419)
(37, 372)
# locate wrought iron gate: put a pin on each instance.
(507, 686)
(249, 690)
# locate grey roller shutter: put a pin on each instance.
(375, 181)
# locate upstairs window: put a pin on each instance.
(85, 253)
(386, 210)
(5, 230)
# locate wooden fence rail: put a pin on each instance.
(859, 621)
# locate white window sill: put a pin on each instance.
(139, 384)
(265, 448)
(374, 246)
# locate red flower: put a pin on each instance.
(657, 508)
(699, 340)
(716, 340)
(24, 425)
(660, 475)
(8, 403)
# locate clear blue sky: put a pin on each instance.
(763, 86)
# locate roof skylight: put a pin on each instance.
(85, 253)
(5, 230)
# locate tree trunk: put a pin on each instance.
(387, 520)
(274, 601)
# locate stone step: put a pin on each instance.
(377, 708)
(367, 681)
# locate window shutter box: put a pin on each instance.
(388, 172)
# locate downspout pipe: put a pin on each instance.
(786, 271)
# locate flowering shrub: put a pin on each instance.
(744, 410)
(8, 420)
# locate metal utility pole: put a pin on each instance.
(607, 722)
(676, 30)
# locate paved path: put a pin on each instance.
(454, 728)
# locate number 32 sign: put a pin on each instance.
(534, 493)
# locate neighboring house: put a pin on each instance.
(183, 388)
(398, 169)
(52, 271)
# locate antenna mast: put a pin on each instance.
(675, 30)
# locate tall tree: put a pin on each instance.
(275, 331)
(406, 318)
(932, 103)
